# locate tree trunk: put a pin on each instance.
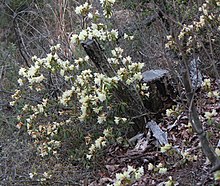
(196, 123)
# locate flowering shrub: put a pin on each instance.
(64, 91)
(39, 114)
(191, 33)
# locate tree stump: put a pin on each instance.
(160, 89)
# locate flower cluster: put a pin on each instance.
(66, 96)
(80, 62)
(206, 84)
(34, 75)
(207, 87)
(158, 168)
(187, 156)
(99, 143)
(170, 182)
(107, 7)
(98, 31)
(42, 134)
(130, 74)
(209, 115)
(214, 94)
(217, 175)
(129, 37)
(83, 9)
(128, 177)
(16, 96)
(118, 120)
(171, 44)
(166, 148)
(42, 137)
(93, 91)
(173, 112)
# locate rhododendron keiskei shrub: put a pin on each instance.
(55, 92)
